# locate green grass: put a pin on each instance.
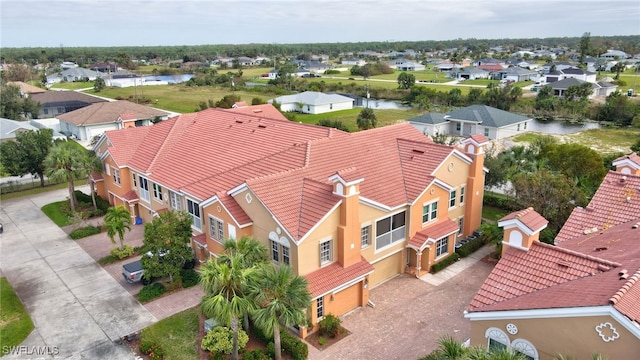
(73, 85)
(31, 189)
(528, 137)
(177, 335)
(606, 140)
(349, 117)
(55, 213)
(15, 322)
(493, 213)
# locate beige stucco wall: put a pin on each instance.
(574, 337)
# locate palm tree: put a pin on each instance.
(64, 163)
(90, 164)
(117, 220)
(281, 297)
(224, 284)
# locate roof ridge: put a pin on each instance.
(623, 290)
(579, 254)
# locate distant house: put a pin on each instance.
(26, 89)
(74, 74)
(53, 103)
(470, 73)
(92, 120)
(491, 67)
(311, 102)
(571, 72)
(104, 67)
(353, 61)
(10, 128)
(410, 66)
(556, 66)
(245, 61)
(614, 55)
(445, 67)
(515, 74)
(599, 88)
(475, 119)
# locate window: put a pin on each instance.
(193, 208)
(116, 176)
(365, 236)
(275, 251)
(320, 307)
(525, 126)
(144, 188)
(518, 127)
(325, 252)
(442, 246)
(430, 212)
(135, 179)
(496, 345)
(461, 225)
(60, 110)
(46, 111)
(176, 202)
(452, 198)
(486, 132)
(458, 126)
(390, 230)
(285, 255)
(157, 192)
(330, 106)
(216, 229)
(278, 250)
(462, 189)
(107, 169)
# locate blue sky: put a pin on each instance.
(36, 23)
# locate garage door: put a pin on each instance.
(346, 300)
(385, 269)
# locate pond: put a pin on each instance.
(560, 127)
(171, 79)
(384, 104)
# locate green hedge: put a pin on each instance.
(150, 292)
(189, 277)
(290, 344)
(444, 263)
(500, 201)
(471, 246)
(84, 232)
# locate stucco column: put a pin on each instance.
(418, 263)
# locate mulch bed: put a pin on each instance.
(314, 338)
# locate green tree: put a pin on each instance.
(406, 80)
(366, 119)
(64, 163)
(636, 147)
(27, 153)
(280, 296)
(578, 162)
(619, 109)
(227, 101)
(585, 45)
(618, 68)
(14, 106)
(117, 220)
(167, 238)
(91, 164)
(99, 84)
(224, 284)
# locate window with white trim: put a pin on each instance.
(390, 230)
(216, 229)
(442, 246)
(116, 176)
(486, 132)
(430, 212)
(325, 252)
(365, 236)
(144, 188)
(320, 308)
(135, 179)
(461, 225)
(175, 201)
(275, 251)
(280, 253)
(525, 348)
(458, 126)
(157, 192)
(452, 198)
(193, 208)
(107, 169)
(285, 255)
(496, 339)
(462, 191)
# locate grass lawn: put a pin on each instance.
(73, 85)
(54, 212)
(604, 140)
(349, 117)
(177, 335)
(30, 189)
(493, 213)
(15, 323)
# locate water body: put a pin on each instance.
(384, 105)
(171, 79)
(560, 127)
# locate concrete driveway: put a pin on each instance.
(78, 309)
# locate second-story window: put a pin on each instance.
(462, 190)
(452, 198)
(365, 236)
(193, 208)
(157, 192)
(216, 229)
(390, 230)
(176, 202)
(144, 188)
(116, 176)
(325, 252)
(430, 212)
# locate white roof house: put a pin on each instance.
(312, 102)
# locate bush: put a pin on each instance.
(471, 246)
(332, 72)
(150, 292)
(84, 232)
(106, 260)
(294, 346)
(153, 350)
(271, 350)
(120, 254)
(322, 340)
(220, 340)
(256, 354)
(189, 277)
(444, 263)
(500, 201)
(330, 326)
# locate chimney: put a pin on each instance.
(346, 184)
(474, 191)
(521, 229)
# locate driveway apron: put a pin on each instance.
(78, 309)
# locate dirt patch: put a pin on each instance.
(323, 342)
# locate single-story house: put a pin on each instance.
(491, 67)
(26, 89)
(470, 73)
(515, 74)
(74, 74)
(353, 61)
(430, 124)
(10, 128)
(53, 103)
(556, 66)
(614, 55)
(572, 72)
(599, 89)
(93, 120)
(410, 66)
(312, 102)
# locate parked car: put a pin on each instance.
(133, 271)
(310, 75)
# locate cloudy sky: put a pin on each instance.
(51, 23)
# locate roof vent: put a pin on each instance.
(257, 111)
(623, 179)
(564, 263)
(624, 277)
(418, 151)
(262, 126)
(602, 248)
(239, 121)
(636, 225)
(623, 272)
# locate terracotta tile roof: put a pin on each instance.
(627, 298)
(529, 218)
(125, 143)
(96, 177)
(200, 239)
(434, 232)
(479, 138)
(328, 278)
(633, 157)
(130, 196)
(616, 201)
(108, 112)
(127, 116)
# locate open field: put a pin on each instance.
(605, 141)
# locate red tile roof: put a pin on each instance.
(616, 201)
(96, 177)
(627, 298)
(328, 278)
(529, 218)
(434, 232)
(633, 157)
(127, 116)
(130, 196)
(479, 138)
(200, 239)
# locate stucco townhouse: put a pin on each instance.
(347, 211)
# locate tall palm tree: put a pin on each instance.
(64, 163)
(90, 163)
(117, 220)
(281, 297)
(225, 285)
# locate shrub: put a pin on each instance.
(189, 277)
(256, 354)
(294, 346)
(120, 254)
(322, 340)
(271, 350)
(444, 263)
(500, 201)
(150, 292)
(84, 232)
(330, 325)
(471, 246)
(332, 72)
(106, 260)
(220, 340)
(154, 351)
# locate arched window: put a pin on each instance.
(496, 338)
(526, 348)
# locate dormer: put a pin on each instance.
(628, 164)
(474, 144)
(346, 182)
(522, 228)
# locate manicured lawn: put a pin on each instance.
(73, 85)
(55, 213)
(15, 322)
(176, 335)
(349, 117)
(493, 213)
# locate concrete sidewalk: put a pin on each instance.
(456, 268)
